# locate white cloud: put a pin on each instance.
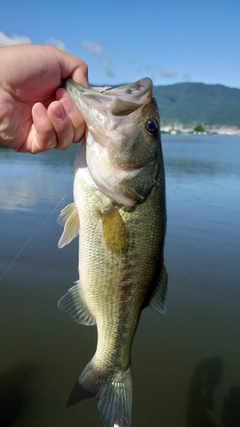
(107, 67)
(57, 43)
(134, 59)
(154, 71)
(165, 72)
(8, 41)
(14, 39)
(96, 48)
(93, 46)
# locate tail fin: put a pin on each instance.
(114, 392)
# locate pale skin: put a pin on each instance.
(35, 113)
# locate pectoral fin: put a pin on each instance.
(158, 297)
(70, 220)
(71, 304)
(115, 232)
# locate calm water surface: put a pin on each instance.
(186, 365)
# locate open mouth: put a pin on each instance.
(134, 91)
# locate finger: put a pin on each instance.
(62, 124)
(73, 114)
(73, 67)
(45, 135)
(80, 75)
(41, 136)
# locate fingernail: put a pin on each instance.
(68, 105)
(51, 144)
(40, 111)
(60, 112)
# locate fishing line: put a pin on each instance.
(30, 238)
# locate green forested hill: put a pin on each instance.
(191, 103)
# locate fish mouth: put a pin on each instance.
(135, 91)
(116, 101)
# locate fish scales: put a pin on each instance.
(106, 275)
(122, 229)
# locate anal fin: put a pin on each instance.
(71, 304)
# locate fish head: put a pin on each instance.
(123, 130)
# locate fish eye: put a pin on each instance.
(152, 126)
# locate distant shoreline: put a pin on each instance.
(208, 130)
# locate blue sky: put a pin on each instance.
(170, 41)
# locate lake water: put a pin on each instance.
(186, 364)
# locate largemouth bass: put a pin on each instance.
(119, 213)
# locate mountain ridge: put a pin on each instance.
(192, 103)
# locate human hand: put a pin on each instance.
(35, 115)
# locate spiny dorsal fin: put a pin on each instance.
(158, 298)
(70, 220)
(115, 232)
(71, 304)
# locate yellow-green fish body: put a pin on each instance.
(120, 215)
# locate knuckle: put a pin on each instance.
(84, 68)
